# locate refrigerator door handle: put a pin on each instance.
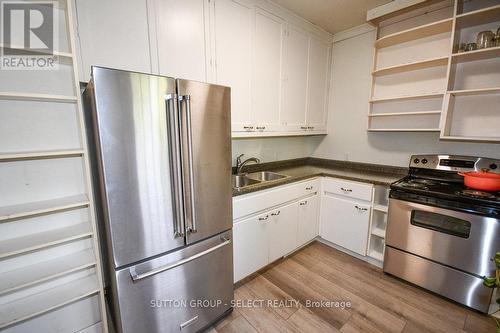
(174, 131)
(136, 277)
(189, 138)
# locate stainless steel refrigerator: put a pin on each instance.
(161, 160)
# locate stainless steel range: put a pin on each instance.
(440, 234)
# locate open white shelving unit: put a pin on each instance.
(421, 83)
(471, 105)
(378, 222)
(49, 254)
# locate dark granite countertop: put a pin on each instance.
(306, 168)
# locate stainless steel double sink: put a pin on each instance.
(254, 178)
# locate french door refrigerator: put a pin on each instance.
(161, 156)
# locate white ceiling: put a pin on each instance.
(332, 15)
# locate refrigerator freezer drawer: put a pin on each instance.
(180, 292)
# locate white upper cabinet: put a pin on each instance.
(267, 70)
(317, 84)
(182, 35)
(233, 49)
(113, 33)
(293, 115)
(276, 64)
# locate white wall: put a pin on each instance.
(347, 137)
(274, 149)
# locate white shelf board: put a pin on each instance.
(406, 97)
(33, 242)
(481, 54)
(43, 271)
(470, 138)
(422, 31)
(411, 66)
(404, 130)
(380, 208)
(22, 156)
(47, 301)
(469, 92)
(42, 207)
(38, 97)
(56, 53)
(378, 232)
(390, 114)
(376, 255)
(478, 17)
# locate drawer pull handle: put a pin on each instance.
(277, 213)
(361, 209)
(309, 188)
(303, 203)
(346, 189)
(263, 218)
(136, 277)
(248, 127)
(260, 127)
(303, 127)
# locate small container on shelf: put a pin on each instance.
(485, 39)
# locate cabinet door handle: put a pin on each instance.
(346, 189)
(309, 188)
(276, 213)
(361, 209)
(263, 218)
(303, 203)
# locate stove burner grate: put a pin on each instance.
(424, 181)
(477, 194)
(412, 184)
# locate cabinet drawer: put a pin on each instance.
(349, 189)
(256, 202)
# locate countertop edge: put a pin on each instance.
(290, 180)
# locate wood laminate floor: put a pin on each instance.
(379, 302)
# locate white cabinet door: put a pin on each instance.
(293, 115)
(113, 33)
(317, 84)
(308, 227)
(345, 222)
(250, 245)
(282, 228)
(267, 70)
(233, 47)
(182, 32)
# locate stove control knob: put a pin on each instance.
(493, 166)
(424, 161)
(416, 161)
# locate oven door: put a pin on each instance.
(460, 240)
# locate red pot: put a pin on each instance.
(482, 180)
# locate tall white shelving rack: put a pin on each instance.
(50, 267)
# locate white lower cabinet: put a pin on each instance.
(308, 224)
(266, 225)
(345, 222)
(250, 245)
(270, 224)
(282, 226)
